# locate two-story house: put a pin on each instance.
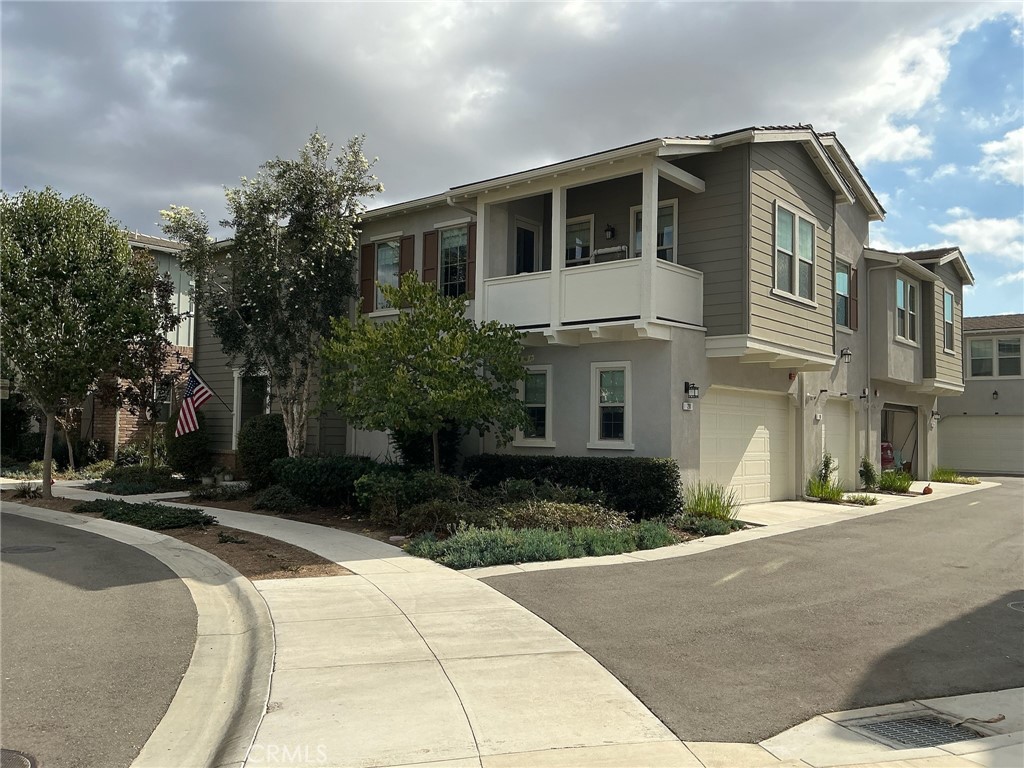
(982, 430)
(708, 298)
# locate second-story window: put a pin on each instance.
(578, 237)
(906, 309)
(666, 229)
(453, 261)
(1009, 357)
(387, 268)
(794, 254)
(947, 321)
(843, 295)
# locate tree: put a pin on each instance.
(428, 368)
(73, 295)
(270, 294)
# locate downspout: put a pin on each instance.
(456, 206)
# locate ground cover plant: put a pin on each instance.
(231, 492)
(134, 480)
(895, 481)
(155, 517)
(34, 471)
(947, 475)
(863, 499)
(703, 525)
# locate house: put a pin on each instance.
(707, 298)
(114, 426)
(982, 429)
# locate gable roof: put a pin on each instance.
(994, 323)
(936, 256)
(136, 239)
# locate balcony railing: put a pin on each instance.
(521, 300)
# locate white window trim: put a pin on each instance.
(945, 293)
(236, 404)
(578, 220)
(440, 255)
(626, 444)
(538, 237)
(995, 357)
(907, 284)
(795, 271)
(674, 202)
(547, 441)
(835, 288)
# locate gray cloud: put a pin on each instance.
(144, 105)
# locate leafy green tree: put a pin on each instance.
(429, 368)
(271, 292)
(73, 297)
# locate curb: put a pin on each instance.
(220, 702)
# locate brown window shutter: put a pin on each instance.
(406, 254)
(431, 248)
(471, 261)
(854, 290)
(366, 275)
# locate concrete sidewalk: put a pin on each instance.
(409, 663)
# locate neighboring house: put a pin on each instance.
(115, 427)
(706, 298)
(982, 430)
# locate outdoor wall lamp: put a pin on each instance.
(846, 355)
(609, 231)
(692, 390)
(995, 394)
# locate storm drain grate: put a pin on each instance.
(919, 731)
(11, 759)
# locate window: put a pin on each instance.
(906, 309)
(995, 357)
(794, 254)
(666, 239)
(578, 237)
(981, 357)
(453, 261)
(843, 317)
(1009, 357)
(527, 247)
(536, 393)
(611, 417)
(387, 268)
(947, 321)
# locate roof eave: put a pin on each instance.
(903, 262)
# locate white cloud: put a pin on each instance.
(944, 170)
(987, 122)
(1011, 277)
(957, 212)
(1003, 159)
(986, 237)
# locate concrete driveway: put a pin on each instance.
(96, 636)
(740, 643)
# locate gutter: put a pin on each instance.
(456, 206)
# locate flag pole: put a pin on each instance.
(192, 370)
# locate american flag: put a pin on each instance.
(196, 393)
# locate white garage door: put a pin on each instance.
(839, 441)
(745, 443)
(982, 443)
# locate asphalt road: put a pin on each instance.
(741, 643)
(96, 636)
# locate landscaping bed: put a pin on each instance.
(255, 557)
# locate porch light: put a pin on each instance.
(692, 390)
(846, 355)
(995, 394)
(609, 232)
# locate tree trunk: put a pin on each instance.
(71, 449)
(437, 452)
(295, 413)
(48, 456)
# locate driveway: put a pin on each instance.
(96, 636)
(741, 643)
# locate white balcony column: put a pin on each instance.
(557, 253)
(648, 241)
(483, 215)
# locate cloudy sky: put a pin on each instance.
(143, 105)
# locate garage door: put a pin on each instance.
(839, 441)
(982, 443)
(745, 443)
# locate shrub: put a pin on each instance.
(864, 499)
(824, 490)
(155, 517)
(133, 480)
(27, 491)
(705, 526)
(640, 487)
(868, 474)
(277, 498)
(190, 453)
(710, 499)
(444, 514)
(15, 422)
(472, 547)
(895, 481)
(97, 469)
(261, 441)
(946, 475)
(218, 492)
(826, 469)
(513, 490)
(387, 494)
(416, 449)
(558, 515)
(326, 481)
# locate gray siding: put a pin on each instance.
(940, 364)
(784, 173)
(183, 335)
(214, 368)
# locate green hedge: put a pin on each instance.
(190, 453)
(155, 517)
(261, 441)
(327, 481)
(640, 487)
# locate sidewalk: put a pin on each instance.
(408, 663)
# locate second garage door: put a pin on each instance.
(745, 443)
(982, 443)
